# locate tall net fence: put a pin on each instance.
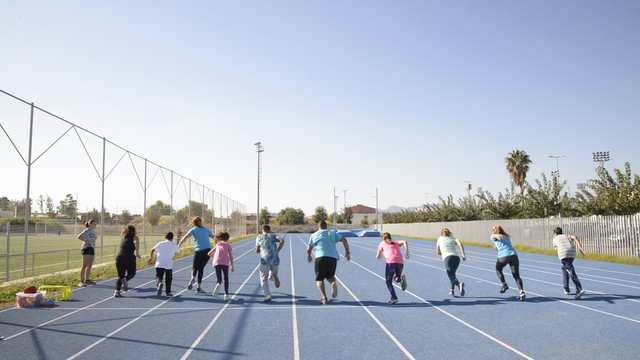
(58, 175)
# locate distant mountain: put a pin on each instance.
(397, 209)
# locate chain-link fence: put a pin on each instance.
(70, 175)
(614, 235)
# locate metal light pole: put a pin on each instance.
(345, 198)
(556, 174)
(335, 220)
(601, 157)
(468, 188)
(259, 149)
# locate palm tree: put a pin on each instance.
(517, 167)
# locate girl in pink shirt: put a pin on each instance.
(395, 263)
(222, 258)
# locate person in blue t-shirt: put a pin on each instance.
(202, 246)
(324, 241)
(507, 255)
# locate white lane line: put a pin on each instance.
(206, 330)
(572, 303)
(58, 318)
(136, 319)
(296, 343)
(389, 334)
(455, 318)
(393, 338)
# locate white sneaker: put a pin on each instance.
(227, 297)
(216, 290)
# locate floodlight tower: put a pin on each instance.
(556, 173)
(601, 157)
(259, 149)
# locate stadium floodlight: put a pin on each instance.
(556, 173)
(601, 157)
(259, 149)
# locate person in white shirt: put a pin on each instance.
(164, 262)
(565, 246)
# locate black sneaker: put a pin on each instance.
(190, 285)
(579, 294)
(89, 282)
(169, 294)
(199, 291)
(403, 283)
(504, 288)
(393, 301)
(117, 294)
(125, 284)
(159, 289)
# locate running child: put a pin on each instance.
(222, 258)
(164, 262)
(395, 263)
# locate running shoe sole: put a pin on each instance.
(579, 294)
(216, 290)
(334, 290)
(159, 290)
(403, 282)
(461, 289)
(504, 289)
(276, 280)
(125, 285)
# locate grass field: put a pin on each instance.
(71, 277)
(53, 253)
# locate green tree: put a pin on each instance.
(320, 215)
(364, 223)
(290, 216)
(517, 167)
(264, 216)
(51, 209)
(548, 200)
(347, 215)
(155, 212)
(5, 204)
(41, 202)
(611, 196)
(68, 206)
(194, 209)
(505, 207)
(125, 217)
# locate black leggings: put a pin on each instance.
(160, 272)
(223, 271)
(125, 264)
(200, 260)
(451, 264)
(515, 269)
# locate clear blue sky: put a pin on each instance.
(411, 97)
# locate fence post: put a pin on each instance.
(27, 210)
(8, 247)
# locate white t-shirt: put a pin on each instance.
(166, 249)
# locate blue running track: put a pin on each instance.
(427, 323)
